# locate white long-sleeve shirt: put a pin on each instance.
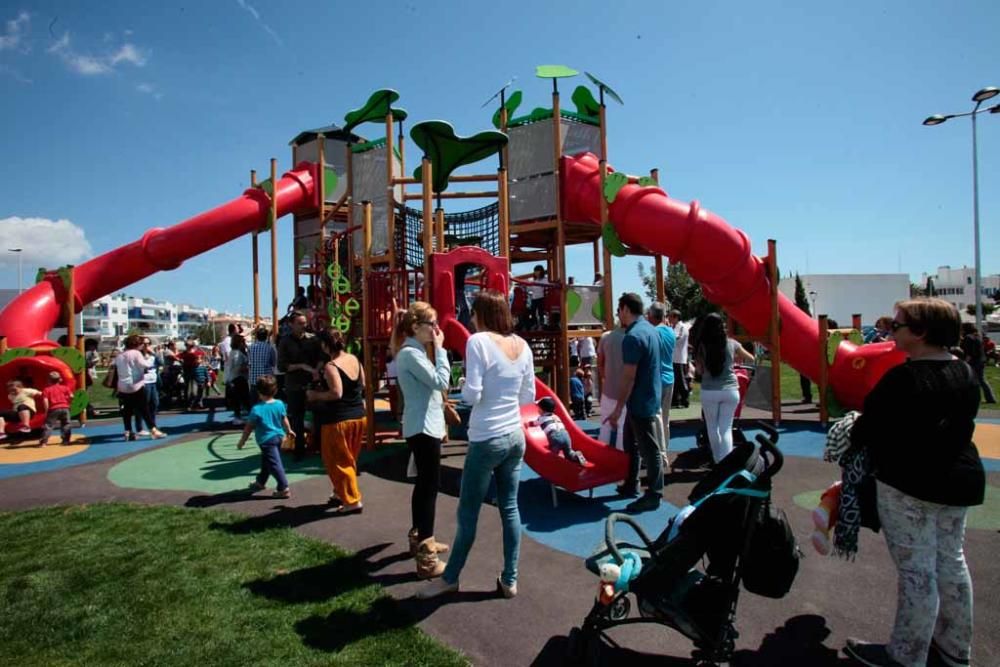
(496, 387)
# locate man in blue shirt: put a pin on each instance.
(657, 315)
(642, 391)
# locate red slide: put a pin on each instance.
(719, 257)
(604, 464)
(27, 320)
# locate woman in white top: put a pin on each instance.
(499, 379)
(130, 367)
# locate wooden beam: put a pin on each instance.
(774, 331)
(256, 262)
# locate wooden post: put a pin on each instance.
(774, 330)
(366, 231)
(350, 209)
(3, 344)
(274, 247)
(428, 203)
(821, 382)
(256, 262)
(856, 321)
(560, 262)
(658, 261)
(503, 213)
(607, 295)
(439, 229)
(81, 377)
(390, 251)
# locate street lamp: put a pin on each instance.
(812, 297)
(20, 266)
(980, 97)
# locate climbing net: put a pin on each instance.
(479, 227)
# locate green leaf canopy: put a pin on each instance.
(448, 151)
(375, 109)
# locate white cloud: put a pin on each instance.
(256, 17)
(14, 30)
(90, 65)
(149, 89)
(45, 242)
(7, 70)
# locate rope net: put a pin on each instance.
(479, 227)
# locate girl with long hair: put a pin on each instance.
(720, 390)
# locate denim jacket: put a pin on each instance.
(422, 383)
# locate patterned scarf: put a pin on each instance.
(856, 467)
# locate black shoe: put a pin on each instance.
(872, 655)
(647, 503)
(938, 658)
(627, 491)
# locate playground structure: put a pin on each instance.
(363, 252)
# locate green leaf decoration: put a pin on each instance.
(376, 108)
(16, 353)
(554, 72)
(329, 182)
(399, 114)
(597, 310)
(833, 407)
(70, 356)
(40, 275)
(65, 274)
(512, 103)
(613, 184)
(448, 151)
(647, 182)
(605, 87)
(612, 242)
(79, 403)
(267, 185)
(585, 102)
(832, 343)
(573, 303)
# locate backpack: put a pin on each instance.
(772, 557)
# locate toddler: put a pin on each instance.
(56, 399)
(22, 400)
(555, 431)
(577, 394)
(200, 375)
(268, 421)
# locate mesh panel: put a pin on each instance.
(480, 227)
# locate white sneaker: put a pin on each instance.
(236, 421)
(507, 591)
(436, 588)
(142, 433)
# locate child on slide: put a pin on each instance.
(555, 431)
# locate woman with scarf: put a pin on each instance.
(917, 426)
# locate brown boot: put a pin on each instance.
(414, 540)
(428, 563)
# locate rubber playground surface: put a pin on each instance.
(198, 465)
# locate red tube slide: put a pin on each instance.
(604, 464)
(719, 257)
(27, 320)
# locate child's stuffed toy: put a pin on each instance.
(825, 518)
(609, 577)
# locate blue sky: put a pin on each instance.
(794, 121)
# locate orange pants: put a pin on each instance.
(341, 445)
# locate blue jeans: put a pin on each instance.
(501, 458)
(152, 401)
(270, 464)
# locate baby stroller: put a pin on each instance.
(669, 589)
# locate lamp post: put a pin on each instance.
(980, 97)
(812, 297)
(20, 266)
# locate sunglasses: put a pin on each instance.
(896, 326)
(430, 323)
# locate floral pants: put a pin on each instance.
(934, 595)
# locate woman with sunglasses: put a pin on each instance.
(499, 379)
(423, 373)
(917, 427)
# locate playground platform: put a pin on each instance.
(831, 599)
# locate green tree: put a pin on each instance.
(207, 334)
(681, 290)
(929, 289)
(801, 300)
(987, 308)
(915, 291)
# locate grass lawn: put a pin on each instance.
(118, 584)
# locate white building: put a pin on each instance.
(955, 286)
(840, 296)
(152, 317)
(106, 318)
(192, 318)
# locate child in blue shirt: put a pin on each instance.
(576, 394)
(268, 421)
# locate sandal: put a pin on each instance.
(344, 510)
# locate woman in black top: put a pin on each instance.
(343, 417)
(917, 426)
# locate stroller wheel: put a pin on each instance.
(620, 608)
